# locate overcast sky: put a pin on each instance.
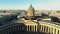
(24, 4)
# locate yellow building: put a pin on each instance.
(30, 11)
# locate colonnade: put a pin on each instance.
(46, 28)
(11, 29)
(51, 29)
(31, 28)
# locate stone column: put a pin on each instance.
(34, 28)
(5, 32)
(19, 27)
(8, 31)
(56, 31)
(41, 28)
(27, 27)
(53, 31)
(13, 29)
(48, 29)
(45, 28)
(1, 32)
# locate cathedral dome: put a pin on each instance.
(31, 8)
(30, 11)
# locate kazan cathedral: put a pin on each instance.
(29, 20)
(38, 24)
(31, 24)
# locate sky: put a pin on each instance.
(24, 4)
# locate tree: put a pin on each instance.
(54, 19)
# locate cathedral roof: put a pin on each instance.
(31, 8)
